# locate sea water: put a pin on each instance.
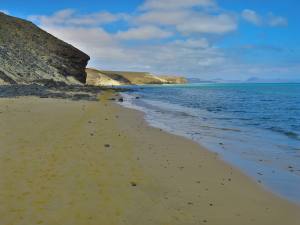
(254, 127)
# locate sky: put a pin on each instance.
(207, 39)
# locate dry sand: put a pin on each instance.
(68, 162)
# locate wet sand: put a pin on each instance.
(91, 163)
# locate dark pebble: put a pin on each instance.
(133, 184)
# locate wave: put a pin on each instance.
(287, 133)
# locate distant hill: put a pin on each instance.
(29, 54)
(104, 78)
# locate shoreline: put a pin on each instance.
(255, 157)
(101, 162)
(255, 180)
(215, 154)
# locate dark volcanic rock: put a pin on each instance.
(71, 92)
(29, 54)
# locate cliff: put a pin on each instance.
(174, 79)
(107, 78)
(97, 78)
(29, 54)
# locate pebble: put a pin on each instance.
(133, 184)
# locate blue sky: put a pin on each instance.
(228, 39)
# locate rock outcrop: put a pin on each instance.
(29, 54)
(115, 78)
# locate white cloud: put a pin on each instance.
(270, 20)
(189, 21)
(251, 16)
(276, 21)
(143, 33)
(192, 43)
(175, 4)
(172, 17)
(186, 17)
(208, 24)
(69, 17)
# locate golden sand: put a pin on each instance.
(95, 163)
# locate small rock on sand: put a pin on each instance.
(133, 184)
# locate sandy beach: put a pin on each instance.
(95, 162)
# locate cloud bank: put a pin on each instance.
(160, 36)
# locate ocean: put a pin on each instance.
(254, 127)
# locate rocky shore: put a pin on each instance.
(56, 90)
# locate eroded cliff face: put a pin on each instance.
(29, 54)
(97, 78)
(108, 78)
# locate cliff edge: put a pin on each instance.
(29, 54)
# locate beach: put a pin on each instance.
(96, 162)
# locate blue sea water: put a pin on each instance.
(254, 127)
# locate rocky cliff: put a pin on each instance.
(107, 78)
(29, 54)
